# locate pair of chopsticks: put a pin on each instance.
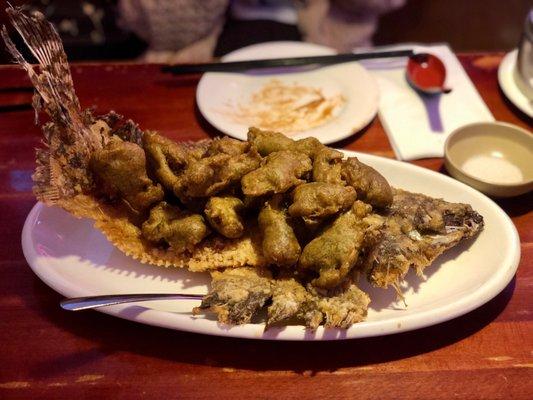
(237, 66)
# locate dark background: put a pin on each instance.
(467, 25)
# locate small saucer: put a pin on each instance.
(508, 82)
(493, 157)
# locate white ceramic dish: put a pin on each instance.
(507, 81)
(493, 157)
(218, 91)
(73, 258)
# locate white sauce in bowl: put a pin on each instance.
(493, 169)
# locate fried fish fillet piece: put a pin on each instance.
(334, 252)
(167, 160)
(317, 200)
(237, 295)
(213, 174)
(268, 142)
(280, 244)
(182, 230)
(370, 185)
(279, 172)
(225, 214)
(327, 166)
(120, 167)
(227, 145)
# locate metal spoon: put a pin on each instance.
(86, 303)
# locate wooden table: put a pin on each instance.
(50, 353)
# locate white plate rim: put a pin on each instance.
(508, 85)
(488, 290)
(203, 88)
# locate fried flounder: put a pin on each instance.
(282, 224)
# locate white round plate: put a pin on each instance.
(73, 258)
(506, 79)
(218, 91)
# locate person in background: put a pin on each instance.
(181, 31)
(199, 30)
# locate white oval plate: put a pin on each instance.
(506, 79)
(75, 259)
(217, 91)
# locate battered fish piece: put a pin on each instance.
(310, 146)
(327, 166)
(182, 230)
(316, 200)
(415, 231)
(225, 215)
(268, 142)
(210, 175)
(280, 245)
(227, 145)
(335, 251)
(166, 159)
(121, 168)
(279, 172)
(237, 294)
(370, 185)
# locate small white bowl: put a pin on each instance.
(494, 157)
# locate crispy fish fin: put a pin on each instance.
(62, 165)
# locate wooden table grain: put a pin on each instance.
(49, 353)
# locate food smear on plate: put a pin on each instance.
(283, 226)
(287, 107)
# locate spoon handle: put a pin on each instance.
(85, 303)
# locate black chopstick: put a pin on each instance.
(16, 89)
(15, 107)
(281, 62)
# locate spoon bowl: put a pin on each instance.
(426, 73)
